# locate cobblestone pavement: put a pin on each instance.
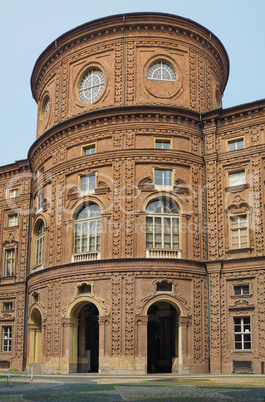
(95, 387)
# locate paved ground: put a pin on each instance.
(169, 387)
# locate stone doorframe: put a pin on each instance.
(70, 328)
(184, 320)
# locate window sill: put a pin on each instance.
(162, 253)
(239, 250)
(37, 267)
(242, 351)
(237, 188)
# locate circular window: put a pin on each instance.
(91, 86)
(161, 71)
(46, 106)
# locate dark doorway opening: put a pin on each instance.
(162, 334)
(88, 339)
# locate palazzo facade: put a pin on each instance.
(132, 237)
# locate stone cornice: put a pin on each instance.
(14, 169)
(123, 266)
(116, 118)
(242, 115)
(114, 26)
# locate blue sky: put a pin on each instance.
(27, 27)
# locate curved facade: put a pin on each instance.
(141, 222)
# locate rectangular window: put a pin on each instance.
(8, 306)
(239, 231)
(162, 232)
(7, 338)
(163, 178)
(41, 171)
(162, 144)
(12, 220)
(241, 290)
(91, 149)
(237, 178)
(88, 183)
(236, 144)
(9, 262)
(242, 333)
(40, 201)
(13, 193)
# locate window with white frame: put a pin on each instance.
(237, 178)
(89, 149)
(88, 229)
(241, 290)
(40, 201)
(162, 224)
(91, 86)
(9, 262)
(236, 144)
(8, 306)
(39, 243)
(163, 179)
(13, 193)
(242, 333)
(161, 71)
(88, 183)
(7, 339)
(239, 231)
(12, 220)
(162, 144)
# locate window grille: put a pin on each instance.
(242, 367)
(91, 86)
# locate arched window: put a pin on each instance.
(39, 243)
(87, 229)
(161, 71)
(162, 224)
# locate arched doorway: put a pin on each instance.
(162, 337)
(35, 330)
(88, 339)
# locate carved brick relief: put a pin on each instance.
(116, 315)
(256, 162)
(116, 219)
(20, 312)
(118, 94)
(220, 212)
(64, 90)
(60, 180)
(212, 210)
(130, 72)
(57, 317)
(202, 102)
(193, 83)
(49, 326)
(197, 222)
(129, 315)
(198, 321)
(129, 207)
(215, 338)
(261, 313)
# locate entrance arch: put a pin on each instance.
(84, 338)
(35, 337)
(162, 338)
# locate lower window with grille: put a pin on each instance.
(242, 367)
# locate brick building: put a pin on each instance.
(132, 238)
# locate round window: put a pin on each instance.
(161, 71)
(91, 86)
(46, 106)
